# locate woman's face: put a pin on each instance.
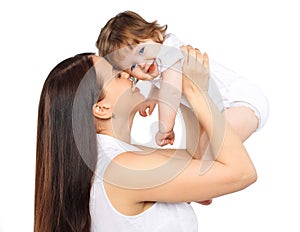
(119, 89)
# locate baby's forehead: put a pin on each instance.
(124, 52)
(122, 58)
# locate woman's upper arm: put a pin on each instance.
(192, 184)
(159, 177)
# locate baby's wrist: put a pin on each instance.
(166, 132)
(151, 99)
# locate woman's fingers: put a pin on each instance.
(199, 56)
(195, 67)
(205, 61)
(193, 55)
(184, 51)
(207, 202)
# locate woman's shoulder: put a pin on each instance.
(108, 149)
(109, 143)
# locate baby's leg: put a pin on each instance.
(244, 106)
(236, 93)
(247, 108)
(243, 120)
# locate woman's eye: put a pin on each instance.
(142, 51)
(133, 67)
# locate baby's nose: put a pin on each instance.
(145, 65)
(142, 65)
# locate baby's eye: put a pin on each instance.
(142, 51)
(133, 67)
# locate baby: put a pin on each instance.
(146, 52)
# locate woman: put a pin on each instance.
(124, 188)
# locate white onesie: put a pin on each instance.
(226, 88)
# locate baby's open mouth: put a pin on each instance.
(151, 68)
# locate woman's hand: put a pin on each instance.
(195, 69)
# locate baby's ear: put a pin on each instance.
(102, 110)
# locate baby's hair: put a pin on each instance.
(127, 29)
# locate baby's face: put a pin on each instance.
(140, 61)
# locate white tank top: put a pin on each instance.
(164, 217)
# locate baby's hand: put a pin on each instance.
(147, 107)
(163, 139)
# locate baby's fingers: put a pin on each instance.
(142, 111)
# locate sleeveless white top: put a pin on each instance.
(160, 217)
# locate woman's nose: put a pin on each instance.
(124, 75)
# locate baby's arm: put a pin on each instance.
(169, 100)
(149, 105)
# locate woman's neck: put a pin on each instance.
(121, 130)
(118, 128)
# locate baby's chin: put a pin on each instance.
(152, 76)
(155, 75)
(148, 77)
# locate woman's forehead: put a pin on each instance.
(104, 69)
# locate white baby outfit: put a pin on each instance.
(226, 88)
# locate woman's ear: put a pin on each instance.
(102, 110)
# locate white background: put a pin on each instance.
(258, 39)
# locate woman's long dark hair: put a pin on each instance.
(65, 163)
